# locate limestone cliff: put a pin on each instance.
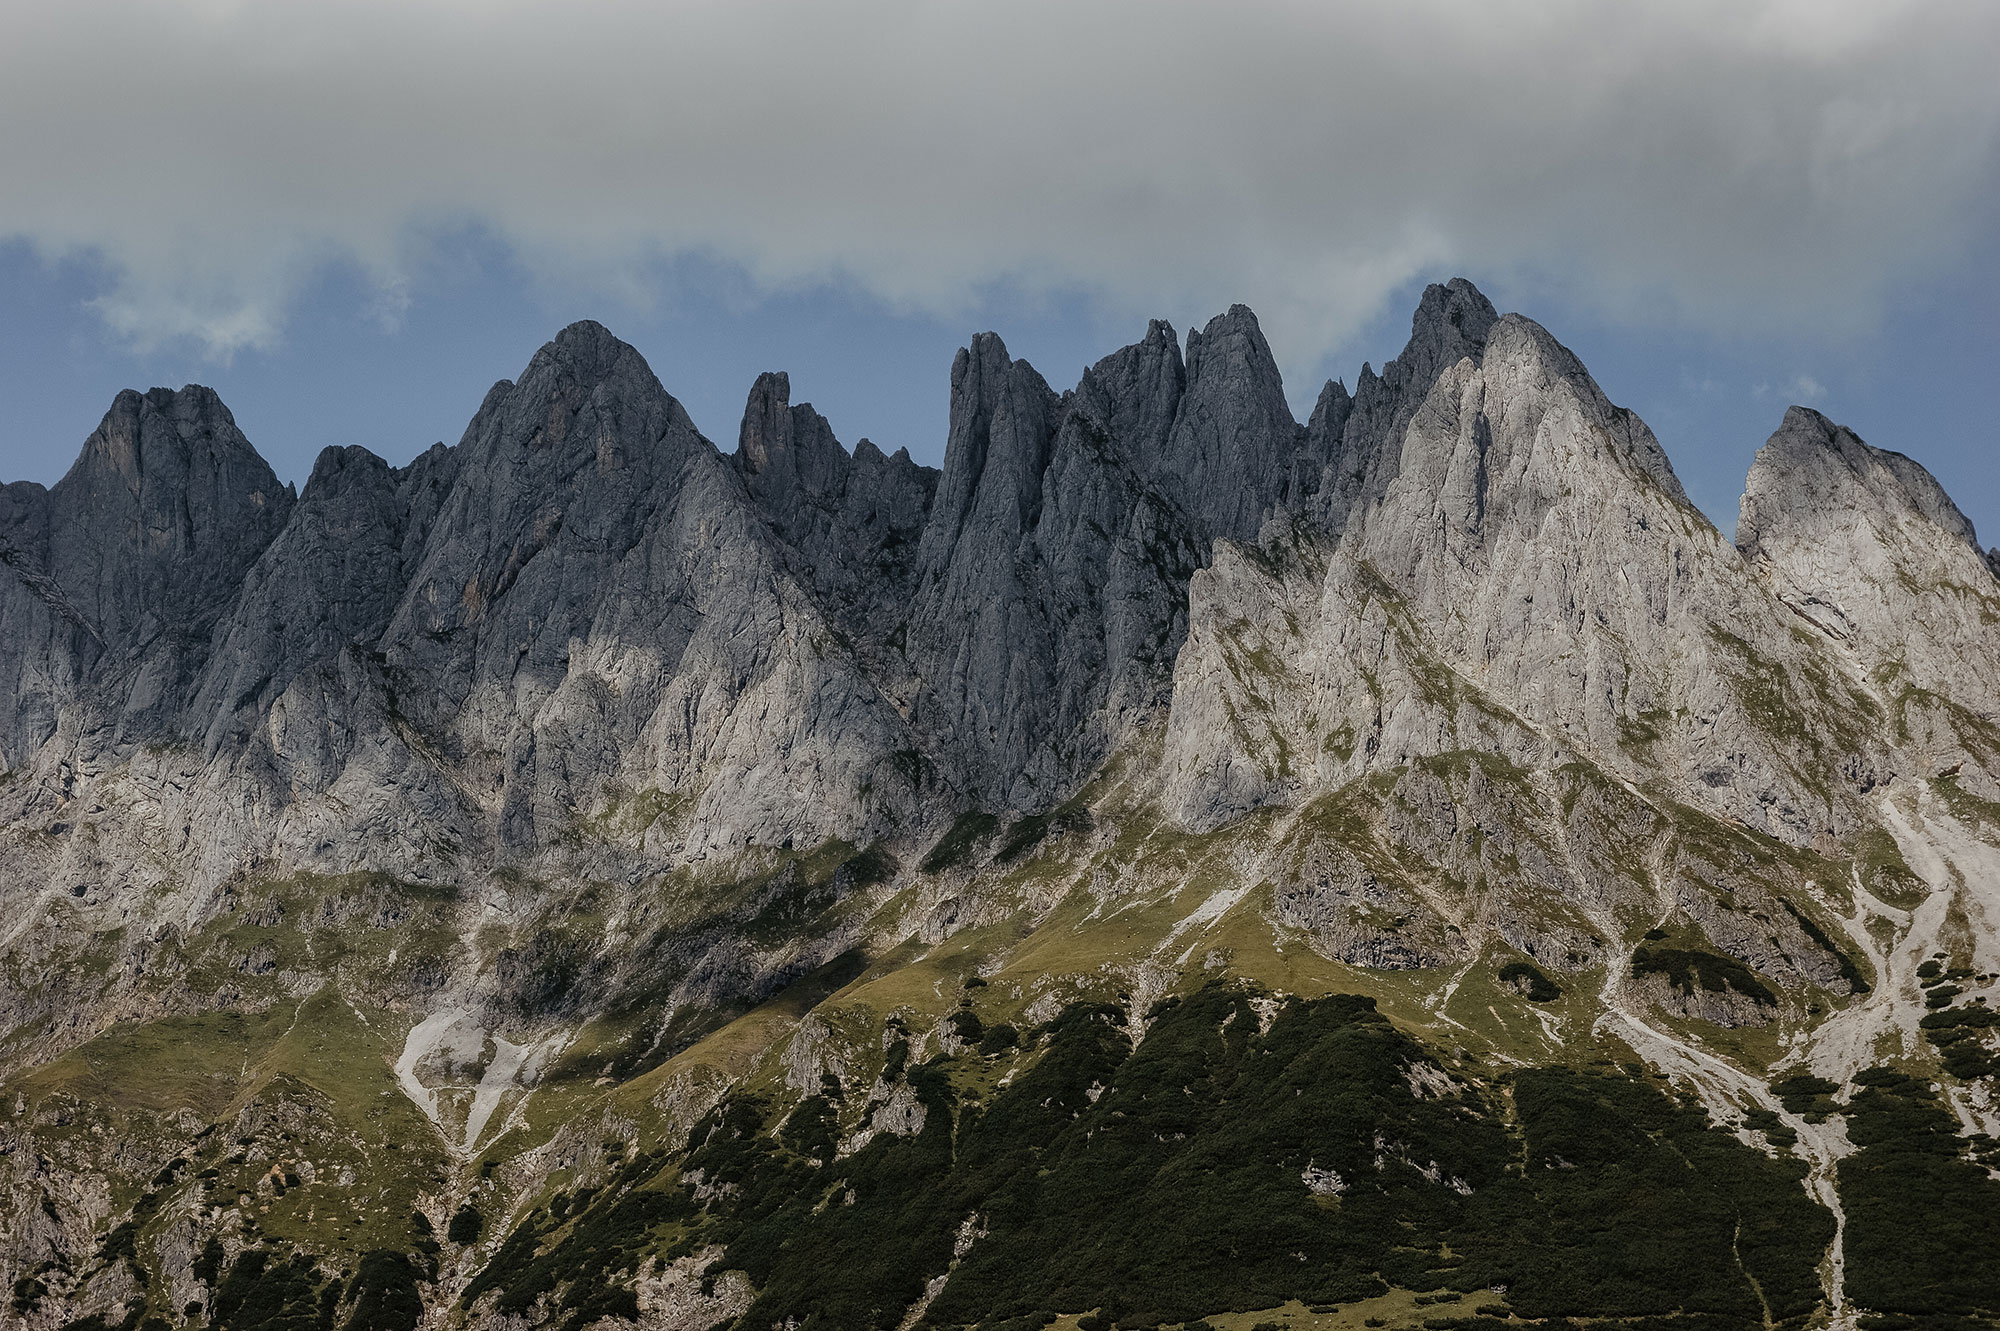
(580, 799)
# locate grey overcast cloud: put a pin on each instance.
(205, 187)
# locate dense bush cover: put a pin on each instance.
(264, 1291)
(1531, 980)
(578, 1249)
(1956, 1033)
(1923, 1221)
(384, 1294)
(1688, 970)
(466, 1225)
(1631, 1204)
(1215, 1168)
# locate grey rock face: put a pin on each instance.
(1499, 551)
(1053, 593)
(331, 578)
(980, 636)
(1479, 550)
(463, 659)
(1229, 455)
(155, 524)
(1866, 545)
(851, 525)
(1349, 437)
(579, 738)
(508, 624)
(597, 603)
(788, 454)
(121, 569)
(585, 644)
(1050, 598)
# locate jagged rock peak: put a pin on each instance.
(1867, 545)
(1003, 417)
(1134, 394)
(140, 430)
(341, 468)
(1238, 321)
(1230, 455)
(764, 421)
(784, 451)
(587, 345)
(1813, 462)
(1353, 442)
(584, 391)
(1455, 323)
(1451, 322)
(1325, 429)
(1334, 400)
(165, 507)
(1230, 344)
(588, 354)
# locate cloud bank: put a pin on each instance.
(1728, 165)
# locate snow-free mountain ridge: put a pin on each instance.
(573, 800)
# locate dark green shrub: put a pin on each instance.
(871, 866)
(264, 1293)
(208, 1263)
(1632, 1205)
(1688, 970)
(1969, 1061)
(1856, 981)
(998, 1039)
(1529, 979)
(28, 1293)
(812, 1130)
(384, 1293)
(466, 1225)
(1164, 1185)
(1802, 1091)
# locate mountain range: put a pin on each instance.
(1173, 864)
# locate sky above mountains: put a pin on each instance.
(351, 217)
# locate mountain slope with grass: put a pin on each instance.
(1172, 865)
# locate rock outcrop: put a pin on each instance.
(1496, 556)
(1866, 546)
(122, 568)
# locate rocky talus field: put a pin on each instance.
(1172, 867)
